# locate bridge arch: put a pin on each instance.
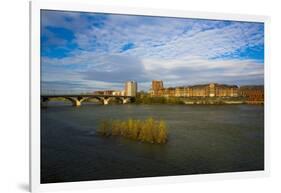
(124, 100)
(77, 100)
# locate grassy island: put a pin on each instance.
(149, 130)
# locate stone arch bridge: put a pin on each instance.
(77, 100)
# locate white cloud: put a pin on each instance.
(179, 51)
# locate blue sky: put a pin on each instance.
(83, 52)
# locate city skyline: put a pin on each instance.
(87, 51)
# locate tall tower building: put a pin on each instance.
(157, 85)
(131, 88)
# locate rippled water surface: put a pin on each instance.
(202, 139)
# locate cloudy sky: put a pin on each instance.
(85, 52)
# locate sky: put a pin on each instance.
(85, 52)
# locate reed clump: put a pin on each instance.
(148, 130)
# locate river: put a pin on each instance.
(201, 139)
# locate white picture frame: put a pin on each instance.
(36, 6)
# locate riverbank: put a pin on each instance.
(195, 100)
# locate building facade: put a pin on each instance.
(166, 92)
(205, 90)
(118, 93)
(252, 93)
(131, 88)
(157, 84)
(104, 92)
(156, 87)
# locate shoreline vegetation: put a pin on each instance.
(148, 130)
(194, 100)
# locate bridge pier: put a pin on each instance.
(125, 100)
(76, 101)
(105, 100)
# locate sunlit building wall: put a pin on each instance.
(204, 90)
(131, 88)
(157, 87)
(252, 93)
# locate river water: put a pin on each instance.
(202, 139)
